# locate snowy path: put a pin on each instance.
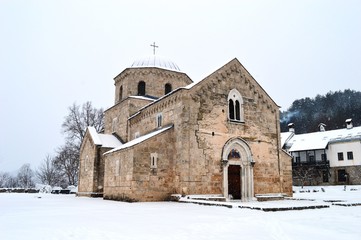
(25, 216)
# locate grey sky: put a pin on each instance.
(54, 53)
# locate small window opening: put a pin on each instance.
(153, 160)
(159, 120)
(167, 88)
(141, 88)
(231, 109)
(120, 93)
(349, 155)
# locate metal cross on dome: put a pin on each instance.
(154, 47)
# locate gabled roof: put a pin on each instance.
(320, 140)
(193, 84)
(104, 140)
(140, 139)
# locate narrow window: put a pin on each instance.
(159, 120)
(153, 160)
(167, 88)
(120, 93)
(340, 156)
(86, 163)
(231, 109)
(349, 155)
(324, 157)
(141, 88)
(117, 167)
(238, 109)
(114, 124)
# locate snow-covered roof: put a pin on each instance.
(285, 137)
(94, 135)
(104, 140)
(319, 140)
(155, 61)
(140, 139)
(143, 98)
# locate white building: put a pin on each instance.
(325, 157)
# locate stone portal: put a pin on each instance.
(237, 170)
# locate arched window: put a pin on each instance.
(120, 93)
(231, 109)
(238, 109)
(141, 88)
(167, 88)
(235, 106)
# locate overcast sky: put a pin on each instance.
(55, 53)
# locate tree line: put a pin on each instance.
(60, 169)
(331, 109)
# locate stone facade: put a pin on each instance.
(219, 136)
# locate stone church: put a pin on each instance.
(166, 135)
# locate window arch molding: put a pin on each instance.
(235, 106)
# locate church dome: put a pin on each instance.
(155, 61)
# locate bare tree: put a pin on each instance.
(12, 182)
(25, 176)
(79, 118)
(48, 173)
(4, 179)
(304, 174)
(67, 162)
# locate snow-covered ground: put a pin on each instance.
(47, 216)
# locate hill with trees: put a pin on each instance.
(331, 109)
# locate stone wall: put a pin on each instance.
(86, 165)
(134, 179)
(210, 128)
(118, 116)
(154, 78)
(353, 172)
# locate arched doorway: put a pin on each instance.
(237, 170)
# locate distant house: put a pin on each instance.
(325, 157)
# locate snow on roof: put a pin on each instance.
(285, 137)
(155, 61)
(104, 140)
(94, 136)
(109, 141)
(319, 140)
(140, 139)
(143, 98)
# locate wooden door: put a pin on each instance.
(234, 181)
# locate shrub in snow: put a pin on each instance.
(43, 188)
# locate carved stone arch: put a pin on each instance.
(245, 161)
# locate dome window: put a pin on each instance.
(167, 88)
(141, 88)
